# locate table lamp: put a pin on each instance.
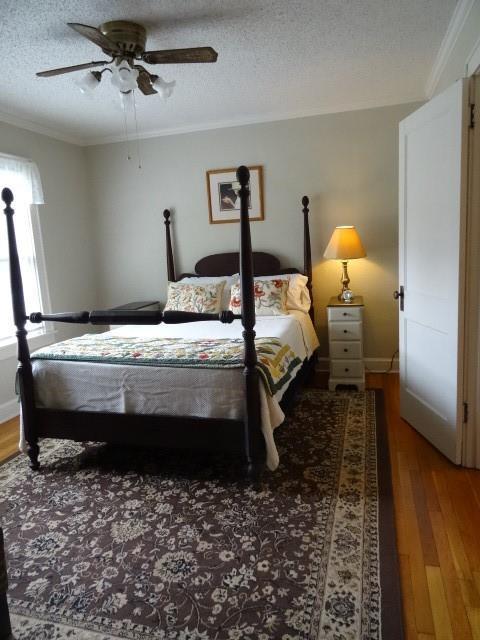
(345, 245)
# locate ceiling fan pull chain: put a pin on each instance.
(129, 157)
(136, 130)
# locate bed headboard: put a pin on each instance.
(226, 264)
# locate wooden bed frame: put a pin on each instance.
(239, 436)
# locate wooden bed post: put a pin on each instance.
(307, 253)
(24, 370)
(254, 440)
(170, 260)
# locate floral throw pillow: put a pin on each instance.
(270, 297)
(200, 298)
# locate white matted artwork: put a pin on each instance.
(223, 198)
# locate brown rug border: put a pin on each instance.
(391, 594)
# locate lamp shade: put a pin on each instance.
(345, 244)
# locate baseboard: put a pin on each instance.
(381, 365)
(372, 365)
(9, 410)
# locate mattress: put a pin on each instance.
(173, 391)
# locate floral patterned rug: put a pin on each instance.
(108, 542)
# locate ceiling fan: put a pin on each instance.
(125, 42)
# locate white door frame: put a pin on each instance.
(473, 62)
(471, 439)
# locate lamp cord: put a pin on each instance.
(389, 368)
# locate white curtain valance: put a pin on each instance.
(28, 170)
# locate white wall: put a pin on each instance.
(346, 163)
(66, 230)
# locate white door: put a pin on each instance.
(432, 213)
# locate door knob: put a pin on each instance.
(400, 294)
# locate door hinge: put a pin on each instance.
(465, 412)
(472, 116)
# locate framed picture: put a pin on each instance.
(223, 201)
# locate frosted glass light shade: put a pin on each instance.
(345, 244)
(87, 83)
(124, 77)
(164, 89)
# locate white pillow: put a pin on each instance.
(298, 296)
(229, 280)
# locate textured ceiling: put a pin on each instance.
(277, 58)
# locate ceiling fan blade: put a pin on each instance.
(95, 36)
(144, 82)
(76, 67)
(180, 56)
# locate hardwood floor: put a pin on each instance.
(437, 512)
(437, 507)
(8, 438)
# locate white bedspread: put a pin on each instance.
(208, 393)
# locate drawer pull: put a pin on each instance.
(347, 369)
(345, 313)
(345, 331)
(346, 350)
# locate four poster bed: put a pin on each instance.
(233, 370)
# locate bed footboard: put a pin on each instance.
(246, 436)
(254, 441)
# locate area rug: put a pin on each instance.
(109, 542)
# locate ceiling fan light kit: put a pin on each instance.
(124, 76)
(125, 42)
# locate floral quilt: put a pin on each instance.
(276, 361)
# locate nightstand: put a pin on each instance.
(143, 305)
(345, 339)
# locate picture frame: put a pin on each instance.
(223, 201)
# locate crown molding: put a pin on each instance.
(241, 122)
(36, 127)
(454, 29)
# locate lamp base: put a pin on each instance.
(347, 296)
(345, 280)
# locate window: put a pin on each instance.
(21, 176)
